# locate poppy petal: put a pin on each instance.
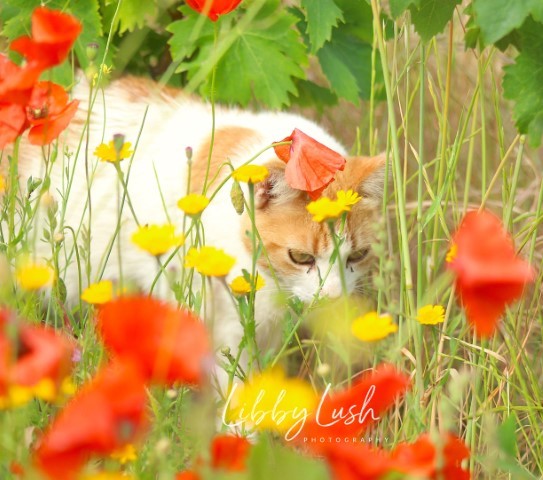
(311, 166)
(12, 123)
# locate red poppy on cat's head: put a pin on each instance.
(29, 354)
(489, 274)
(48, 112)
(105, 415)
(213, 8)
(311, 166)
(169, 345)
(53, 34)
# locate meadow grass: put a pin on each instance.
(451, 148)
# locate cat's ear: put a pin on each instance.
(372, 184)
(367, 175)
(275, 190)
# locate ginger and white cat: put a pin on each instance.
(298, 248)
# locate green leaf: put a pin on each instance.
(522, 83)
(262, 61)
(322, 16)
(314, 96)
(496, 18)
(431, 16)
(136, 14)
(507, 436)
(269, 462)
(397, 7)
(346, 62)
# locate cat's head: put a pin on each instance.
(298, 249)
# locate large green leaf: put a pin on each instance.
(322, 17)
(522, 82)
(497, 18)
(136, 14)
(431, 16)
(261, 62)
(397, 7)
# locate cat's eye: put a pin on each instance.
(301, 258)
(358, 255)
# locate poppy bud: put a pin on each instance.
(92, 51)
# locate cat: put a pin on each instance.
(297, 248)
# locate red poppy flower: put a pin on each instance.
(48, 112)
(29, 354)
(53, 34)
(169, 345)
(16, 82)
(106, 414)
(213, 8)
(421, 458)
(12, 123)
(489, 274)
(351, 411)
(228, 453)
(311, 166)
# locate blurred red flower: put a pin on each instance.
(489, 274)
(48, 112)
(16, 82)
(424, 458)
(12, 123)
(53, 34)
(228, 453)
(29, 354)
(311, 166)
(105, 415)
(169, 345)
(213, 8)
(351, 411)
(358, 461)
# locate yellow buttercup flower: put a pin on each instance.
(250, 173)
(157, 239)
(19, 395)
(348, 198)
(372, 327)
(431, 315)
(240, 286)
(326, 209)
(258, 401)
(125, 454)
(2, 184)
(209, 261)
(108, 153)
(451, 254)
(98, 293)
(193, 204)
(108, 476)
(34, 275)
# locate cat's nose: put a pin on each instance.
(331, 289)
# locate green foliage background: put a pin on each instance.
(262, 52)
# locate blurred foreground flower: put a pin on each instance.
(34, 361)
(228, 454)
(104, 416)
(98, 293)
(33, 275)
(209, 261)
(157, 239)
(372, 327)
(489, 274)
(311, 166)
(167, 344)
(213, 8)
